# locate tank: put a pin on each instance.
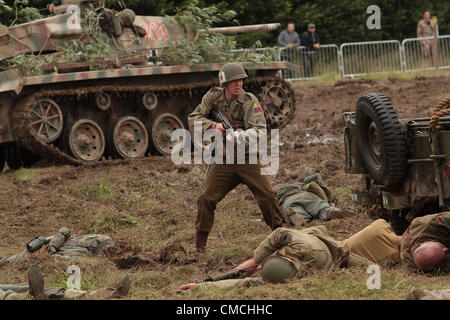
(126, 107)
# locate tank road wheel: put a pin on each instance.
(46, 120)
(103, 101)
(129, 138)
(278, 104)
(86, 140)
(161, 131)
(2, 159)
(149, 101)
(380, 140)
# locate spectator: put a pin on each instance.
(288, 40)
(310, 41)
(425, 29)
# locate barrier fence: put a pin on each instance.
(360, 58)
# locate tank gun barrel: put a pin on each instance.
(249, 28)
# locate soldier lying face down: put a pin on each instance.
(62, 244)
(288, 253)
(302, 202)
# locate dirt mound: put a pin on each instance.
(127, 257)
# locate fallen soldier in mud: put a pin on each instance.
(302, 202)
(63, 245)
(288, 253)
(36, 290)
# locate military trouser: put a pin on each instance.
(222, 178)
(308, 205)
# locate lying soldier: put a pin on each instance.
(63, 245)
(302, 202)
(287, 253)
(35, 289)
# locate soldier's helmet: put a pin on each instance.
(230, 72)
(277, 269)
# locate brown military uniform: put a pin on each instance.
(245, 113)
(432, 227)
(425, 29)
(307, 248)
(376, 242)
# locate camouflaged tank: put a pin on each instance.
(126, 107)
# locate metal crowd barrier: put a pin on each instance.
(311, 63)
(419, 53)
(360, 58)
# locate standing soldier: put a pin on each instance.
(243, 111)
(425, 29)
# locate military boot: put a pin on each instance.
(36, 283)
(201, 238)
(121, 289)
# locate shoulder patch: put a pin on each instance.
(256, 108)
(440, 220)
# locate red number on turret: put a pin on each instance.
(156, 30)
(164, 33)
(147, 29)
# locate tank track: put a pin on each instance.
(21, 116)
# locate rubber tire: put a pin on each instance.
(2, 159)
(12, 158)
(377, 108)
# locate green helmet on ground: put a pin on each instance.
(230, 72)
(277, 269)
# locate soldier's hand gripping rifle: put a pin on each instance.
(220, 117)
(228, 275)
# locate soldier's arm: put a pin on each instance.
(201, 113)
(254, 121)
(276, 240)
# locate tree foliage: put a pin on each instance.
(336, 21)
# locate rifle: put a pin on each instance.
(228, 275)
(220, 117)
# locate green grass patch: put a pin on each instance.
(26, 174)
(106, 221)
(101, 190)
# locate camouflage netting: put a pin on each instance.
(208, 47)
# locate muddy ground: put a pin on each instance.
(149, 206)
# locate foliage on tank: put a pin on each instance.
(75, 50)
(208, 47)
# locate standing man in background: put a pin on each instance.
(288, 40)
(425, 29)
(310, 41)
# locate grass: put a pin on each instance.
(330, 78)
(26, 175)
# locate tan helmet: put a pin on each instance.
(277, 269)
(231, 71)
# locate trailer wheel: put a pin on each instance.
(380, 140)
